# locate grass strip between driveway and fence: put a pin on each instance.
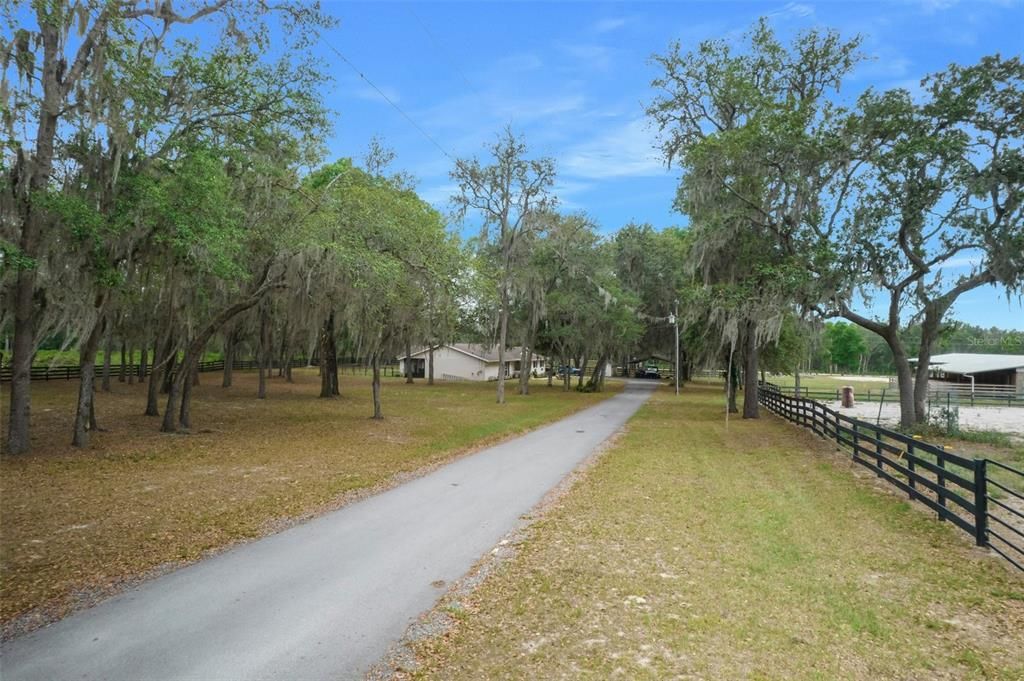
(696, 549)
(982, 497)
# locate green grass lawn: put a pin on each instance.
(78, 522)
(695, 551)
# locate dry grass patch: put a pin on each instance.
(692, 551)
(76, 524)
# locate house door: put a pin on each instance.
(418, 367)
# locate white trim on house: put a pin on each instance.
(425, 351)
(458, 361)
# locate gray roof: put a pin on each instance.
(975, 363)
(483, 352)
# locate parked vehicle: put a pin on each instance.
(652, 372)
(573, 371)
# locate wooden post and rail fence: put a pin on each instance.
(982, 497)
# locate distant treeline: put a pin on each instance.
(849, 348)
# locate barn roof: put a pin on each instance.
(975, 363)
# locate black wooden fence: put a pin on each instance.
(67, 372)
(982, 497)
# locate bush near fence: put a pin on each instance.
(960, 490)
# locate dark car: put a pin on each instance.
(652, 372)
(572, 371)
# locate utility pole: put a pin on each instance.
(675, 323)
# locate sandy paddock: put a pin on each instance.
(1009, 420)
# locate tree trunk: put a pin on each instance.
(750, 358)
(597, 377)
(281, 355)
(328, 359)
(502, 337)
(732, 381)
(169, 370)
(375, 362)
(156, 379)
(85, 415)
(185, 412)
(551, 374)
(904, 379)
(127, 372)
(108, 348)
(930, 329)
(525, 369)
(430, 365)
(121, 374)
(583, 372)
(288, 370)
(27, 301)
(143, 358)
(408, 362)
(23, 351)
(194, 349)
(264, 355)
(230, 342)
(169, 424)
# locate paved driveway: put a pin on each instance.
(325, 599)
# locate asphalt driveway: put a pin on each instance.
(325, 599)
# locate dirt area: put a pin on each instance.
(1009, 420)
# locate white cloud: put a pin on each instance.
(931, 6)
(438, 195)
(520, 62)
(625, 151)
(610, 24)
(793, 9)
(368, 93)
(912, 85)
(883, 65)
(564, 188)
(966, 262)
(534, 108)
(594, 56)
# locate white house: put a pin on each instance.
(469, 362)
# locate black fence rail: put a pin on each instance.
(982, 497)
(67, 372)
(943, 397)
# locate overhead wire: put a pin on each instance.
(387, 99)
(444, 53)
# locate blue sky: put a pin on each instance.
(573, 77)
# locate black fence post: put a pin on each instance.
(910, 467)
(878, 450)
(980, 502)
(941, 479)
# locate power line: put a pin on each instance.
(444, 53)
(388, 99)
